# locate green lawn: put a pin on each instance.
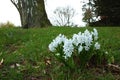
(29, 49)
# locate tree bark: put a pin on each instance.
(32, 13)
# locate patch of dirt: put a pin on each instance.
(101, 71)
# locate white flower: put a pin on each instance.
(106, 52)
(57, 41)
(52, 46)
(97, 45)
(78, 39)
(80, 48)
(81, 38)
(75, 39)
(60, 38)
(68, 48)
(87, 48)
(87, 37)
(88, 40)
(58, 54)
(95, 34)
(86, 33)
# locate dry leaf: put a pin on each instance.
(1, 62)
(48, 61)
(114, 68)
(12, 66)
(18, 65)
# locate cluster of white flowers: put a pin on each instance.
(83, 41)
(68, 48)
(57, 41)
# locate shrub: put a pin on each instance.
(7, 25)
(82, 50)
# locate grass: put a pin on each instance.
(29, 48)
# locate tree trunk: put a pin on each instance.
(32, 13)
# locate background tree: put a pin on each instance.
(108, 11)
(89, 14)
(7, 25)
(64, 16)
(32, 13)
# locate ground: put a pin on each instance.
(24, 54)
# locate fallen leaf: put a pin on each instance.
(1, 62)
(48, 61)
(18, 65)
